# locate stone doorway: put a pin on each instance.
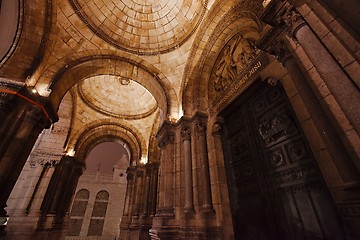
(276, 189)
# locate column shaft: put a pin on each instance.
(204, 163)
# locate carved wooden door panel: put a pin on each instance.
(276, 189)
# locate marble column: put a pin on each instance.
(186, 139)
(204, 167)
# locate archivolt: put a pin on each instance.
(101, 131)
(85, 67)
(240, 18)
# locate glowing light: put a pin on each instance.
(181, 112)
(43, 90)
(143, 160)
(70, 152)
(34, 90)
(265, 3)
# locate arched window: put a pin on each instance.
(78, 212)
(98, 214)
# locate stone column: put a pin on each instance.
(186, 139)
(153, 189)
(39, 194)
(147, 190)
(167, 177)
(346, 168)
(62, 186)
(341, 86)
(129, 191)
(28, 127)
(204, 167)
(137, 197)
(58, 197)
(35, 178)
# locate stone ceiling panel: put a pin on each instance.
(117, 96)
(142, 26)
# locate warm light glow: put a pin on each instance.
(70, 152)
(265, 3)
(43, 90)
(143, 160)
(34, 90)
(181, 112)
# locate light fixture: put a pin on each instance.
(70, 152)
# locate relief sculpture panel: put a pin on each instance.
(234, 58)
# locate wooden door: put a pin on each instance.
(276, 189)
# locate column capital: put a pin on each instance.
(8, 90)
(185, 133)
(282, 14)
(201, 128)
(167, 138)
(217, 128)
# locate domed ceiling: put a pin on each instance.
(142, 26)
(116, 96)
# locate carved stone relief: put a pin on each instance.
(236, 56)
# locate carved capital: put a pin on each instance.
(283, 15)
(201, 128)
(217, 128)
(292, 20)
(186, 133)
(168, 138)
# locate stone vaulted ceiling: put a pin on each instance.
(141, 26)
(126, 63)
(147, 43)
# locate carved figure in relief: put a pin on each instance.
(234, 59)
(243, 51)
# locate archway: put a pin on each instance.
(105, 180)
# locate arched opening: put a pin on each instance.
(105, 180)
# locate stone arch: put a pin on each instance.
(88, 65)
(86, 139)
(240, 18)
(14, 64)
